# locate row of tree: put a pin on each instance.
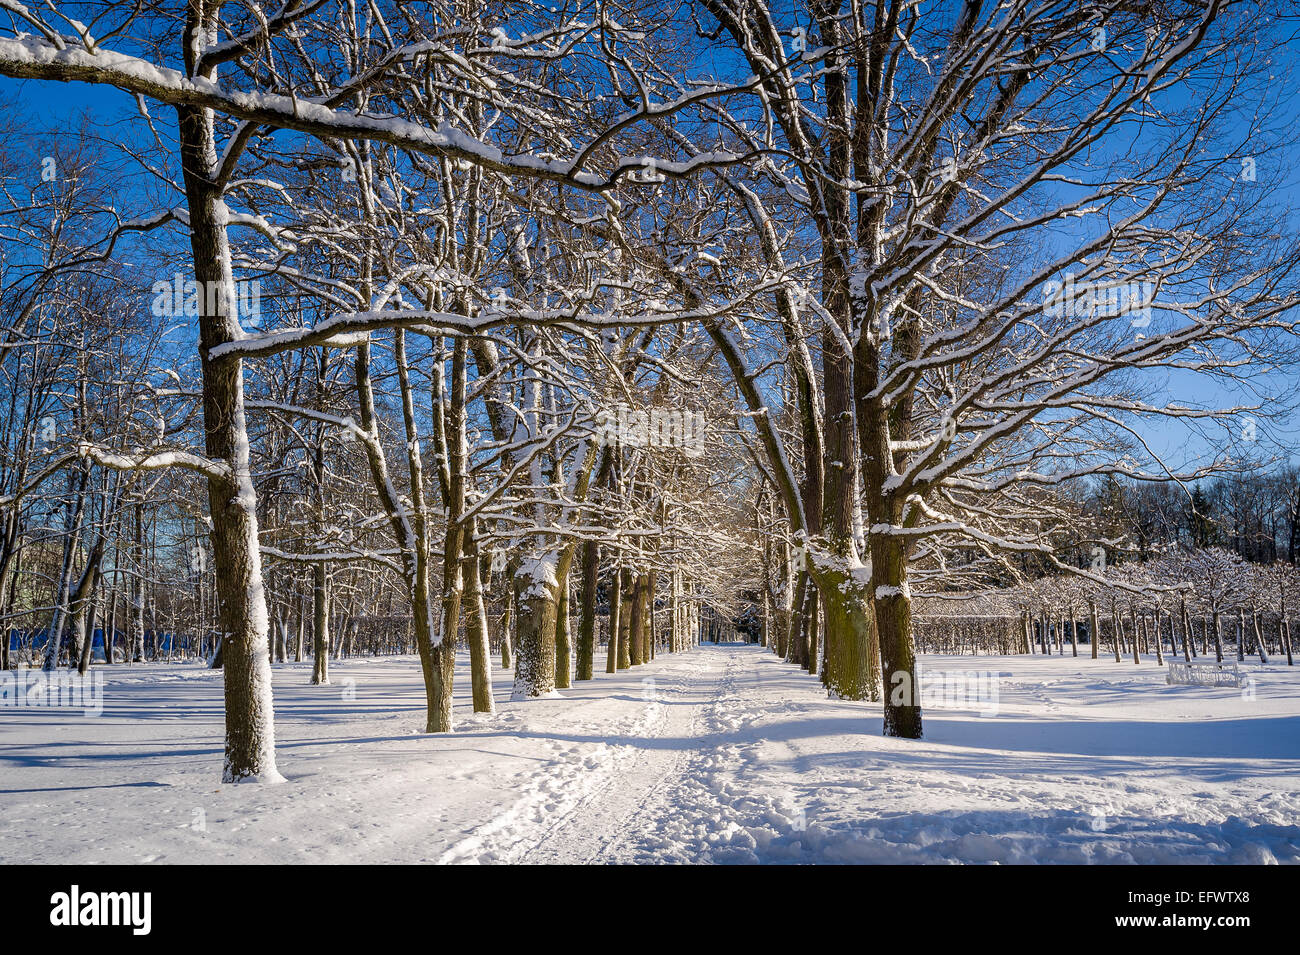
(383, 276)
(1192, 603)
(1254, 513)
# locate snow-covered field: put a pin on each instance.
(722, 754)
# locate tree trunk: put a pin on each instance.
(282, 639)
(1259, 639)
(612, 650)
(437, 660)
(84, 623)
(1116, 630)
(636, 623)
(536, 598)
(6, 608)
(651, 635)
(476, 629)
(791, 601)
(411, 529)
(84, 607)
(232, 499)
(563, 645)
(587, 623)
(675, 605)
(852, 672)
(897, 649)
(858, 622)
(63, 596)
(1133, 619)
(797, 644)
(625, 619)
(320, 671)
(507, 623)
(811, 625)
(445, 651)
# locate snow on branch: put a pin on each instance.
(26, 56)
(155, 461)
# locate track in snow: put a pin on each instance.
(582, 808)
(720, 754)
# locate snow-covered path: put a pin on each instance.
(613, 782)
(722, 754)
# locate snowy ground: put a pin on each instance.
(722, 754)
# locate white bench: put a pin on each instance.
(1203, 674)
